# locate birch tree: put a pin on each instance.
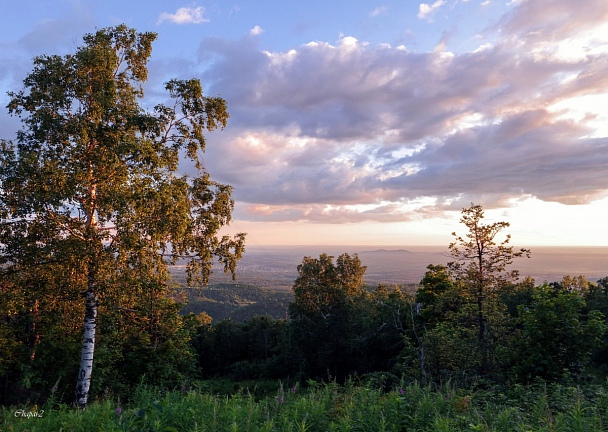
(92, 181)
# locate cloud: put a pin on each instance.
(257, 30)
(529, 153)
(426, 11)
(185, 15)
(378, 11)
(553, 20)
(349, 131)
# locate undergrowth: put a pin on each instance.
(329, 407)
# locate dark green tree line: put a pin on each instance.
(479, 321)
(338, 327)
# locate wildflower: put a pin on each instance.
(280, 399)
(401, 392)
(294, 389)
(119, 411)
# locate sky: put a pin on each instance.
(374, 122)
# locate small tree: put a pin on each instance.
(482, 265)
(92, 183)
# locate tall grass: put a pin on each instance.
(329, 407)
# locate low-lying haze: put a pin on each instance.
(276, 267)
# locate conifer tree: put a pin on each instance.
(481, 264)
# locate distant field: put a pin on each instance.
(275, 267)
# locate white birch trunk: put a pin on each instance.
(88, 349)
(90, 315)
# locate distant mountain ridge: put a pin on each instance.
(391, 251)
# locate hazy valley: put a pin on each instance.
(266, 274)
(276, 266)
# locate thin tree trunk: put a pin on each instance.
(421, 343)
(88, 349)
(483, 333)
(90, 315)
(35, 337)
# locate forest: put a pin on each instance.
(96, 335)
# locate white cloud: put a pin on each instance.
(185, 15)
(256, 31)
(379, 10)
(426, 10)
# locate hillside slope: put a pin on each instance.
(239, 302)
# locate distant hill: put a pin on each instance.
(239, 302)
(387, 251)
(398, 266)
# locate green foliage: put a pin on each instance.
(452, 350)
(323, 287)
(438, 294)
(338, 326)
(324, 314)
(479, 260)
(557, 334)
(259, 348)
(383, 332)
(554, 331)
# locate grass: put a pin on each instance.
(329, 407)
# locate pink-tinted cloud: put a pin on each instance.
(552, 20)
(347, 131)
(351, 131)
